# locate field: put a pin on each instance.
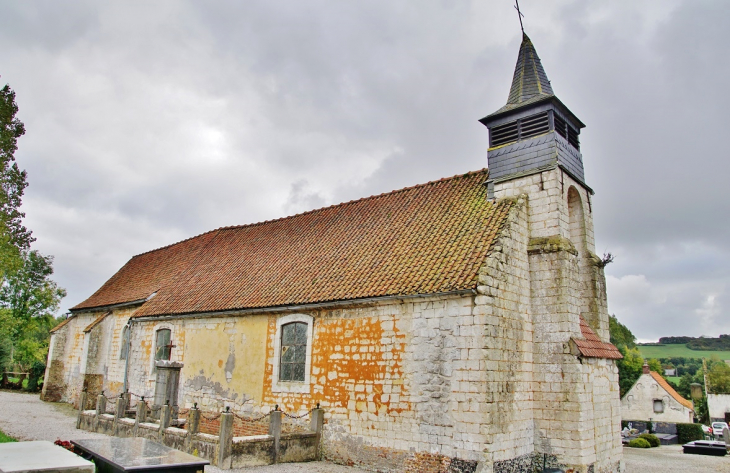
(668, 351)
(674, 379)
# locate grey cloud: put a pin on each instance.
(151, 122)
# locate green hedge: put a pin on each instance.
(689, 432)
(651, 438)
(639, 443)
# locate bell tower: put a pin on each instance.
(534, 131)
(534, 154)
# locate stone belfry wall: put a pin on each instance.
(576, 405)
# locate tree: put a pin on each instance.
(629, 368)
(621, 336)
(12, 178)
(718, 377)
(655, 366)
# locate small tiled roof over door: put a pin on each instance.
(425, 239)
(592, 347)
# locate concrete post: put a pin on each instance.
(275, 430)
(164, 421)
(141, 411)
(121, 407)
(225, 440)
(141, 415)
(193, 426)
(316, 425)
(100, 404)
(100, 409)
(82, 406)
(194, 420)
(127, 401)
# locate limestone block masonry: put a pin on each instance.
(481, 381)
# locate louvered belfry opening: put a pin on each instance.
(566, 131)
(520, 129)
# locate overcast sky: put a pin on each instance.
(150, 122)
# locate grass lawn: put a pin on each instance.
(6, 438)
(668, 351)
(674, 379)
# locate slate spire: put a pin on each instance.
(530, 80)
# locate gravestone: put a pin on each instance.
(41, 456)
(166, 385)
(140, 455)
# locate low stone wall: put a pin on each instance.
(223, 450)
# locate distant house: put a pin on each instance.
(670, 372)
(719, 406)
(652, 398)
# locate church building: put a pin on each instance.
(457, 325)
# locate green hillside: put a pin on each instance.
(669, 351)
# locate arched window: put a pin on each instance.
(125, 343)
(576, 220)
(162, 344)
(293, 351)
(292, 354)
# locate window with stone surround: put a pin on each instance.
(162, 344)
(293, 350)
(658, 406)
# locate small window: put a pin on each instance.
(658, 406)
(125, 343)
(293, 351)
(162, 344)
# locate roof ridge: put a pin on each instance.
(175, 243)
(341, 204)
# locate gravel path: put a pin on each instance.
(670, 458)
(26, 417)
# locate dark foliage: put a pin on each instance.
(689, 432)
(651, 438)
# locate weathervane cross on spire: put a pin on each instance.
(519, 15)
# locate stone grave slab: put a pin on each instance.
(22, 457)
(137, 454)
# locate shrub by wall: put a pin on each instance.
(689, 432)
(639, 443)
(651, 438)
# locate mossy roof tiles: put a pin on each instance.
(425, 239)
(592, 347)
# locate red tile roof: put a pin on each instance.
(670, 390)
(593, 347)
(424, 239)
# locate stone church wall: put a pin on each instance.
(438, 375)
(482, 380)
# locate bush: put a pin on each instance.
(651, 438)
(37, 370)
(689, 432)
(639, 443)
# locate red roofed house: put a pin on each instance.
(652, 398)
(463, 320)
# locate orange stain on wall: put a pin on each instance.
(356, 365)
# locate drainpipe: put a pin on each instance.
(129, 347)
